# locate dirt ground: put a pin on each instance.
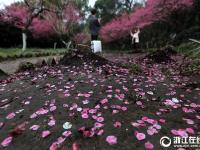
(134, 110)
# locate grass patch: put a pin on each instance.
(11, 53)
(189, 49)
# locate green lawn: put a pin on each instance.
(190, 49)
(31, 52)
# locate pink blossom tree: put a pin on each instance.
(23, 14)
(63, 20)
(154, 10)
(58, 17)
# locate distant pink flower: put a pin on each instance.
(7, 141)
(149, 145)
(140, 136)
(111, 140)
(45, 134)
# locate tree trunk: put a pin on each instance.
(24, 40)
(55, 45)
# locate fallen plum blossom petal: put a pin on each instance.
(149, 145)
(140, 136)
(10, 116)
(111, 140)
(45, 134)
(35, 127)
(67, 133)
(53, 108)
(75, 146)
(117, 124)
(7, 141)
(54, 146)
(100, 132)
(100, 119)
(1, 124)
(52, 123)
(85, 116)
(190, 130)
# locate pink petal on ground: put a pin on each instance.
(53, 108)
(34, 115)
(182, 133)
(189, 121)
(52, 123)
(198, 117)
(60, 140)
(157, 126)
(98, 125)
(10, 116)
(149, 145)
(117, 124)
(124, 108)
(100, 119)
(190, 130)
(145, 118)
(174, 132)
(104, 101)
(1, 124)
(100, 132)
(7, 141)
(35, 127)
(151, 131)
(111, 140)
(75, 146)
(162, 120)
(85, 116)
(67, 133)
(45, 134)
(140, 136)
(54, 146)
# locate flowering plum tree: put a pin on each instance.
(23, 14)
(81, 38)
(155, 10)
(43, 18)
(64, 18)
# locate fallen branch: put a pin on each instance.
(196, 41)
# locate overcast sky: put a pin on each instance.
(8, 2)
